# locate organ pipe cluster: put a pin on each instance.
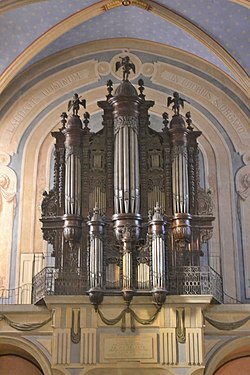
(130, 170)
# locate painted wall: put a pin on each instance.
(32, 107)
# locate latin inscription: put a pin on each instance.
(225, 110)
(36, 99)
(128, 348)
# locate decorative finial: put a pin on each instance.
(75, 104)
(189, 121)
(126, 65)
(177, 102)
(86, 117)
(64, 117)
(110, 89)
(165, 120)
(141, 88)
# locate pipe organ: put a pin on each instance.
(124, 215)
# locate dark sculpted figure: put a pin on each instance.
(75, 104)
(177, 102)
(126, 65)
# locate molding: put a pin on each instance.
(8, 5)
(29, 349)
(217, 354)
(243, 3)
(214, 99)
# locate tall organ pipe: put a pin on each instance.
(127, 219)
(180, 180)
(157, 235)
(96, 231)
(180, 186)
(126, 165)
(73, 177)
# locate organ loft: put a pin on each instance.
(126, 214)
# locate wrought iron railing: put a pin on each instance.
(51, 281)
(196, 280)
(43, 284)
(189, 280)
(19, 295)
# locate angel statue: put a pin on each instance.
(75, 104)
(126, 65)
(177, 102)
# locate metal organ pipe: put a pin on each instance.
(73, 176)
(127, 219)
(96, 229)
(157, 234)
(180, 180)
(126, 165)
(180, 187)
(132, 171)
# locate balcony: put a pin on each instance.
(194, 280)
(188, 280)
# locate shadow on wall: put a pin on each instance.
(15, 365)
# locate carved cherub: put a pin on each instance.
(126, 65)
(177, 102)
(75, 104)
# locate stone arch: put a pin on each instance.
(26, 350)
(100, 7)
(200, 371)
(225, 352)
(39, 106)
(24, 110)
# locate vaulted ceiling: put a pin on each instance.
(216, 31)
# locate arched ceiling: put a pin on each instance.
(216, 31)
